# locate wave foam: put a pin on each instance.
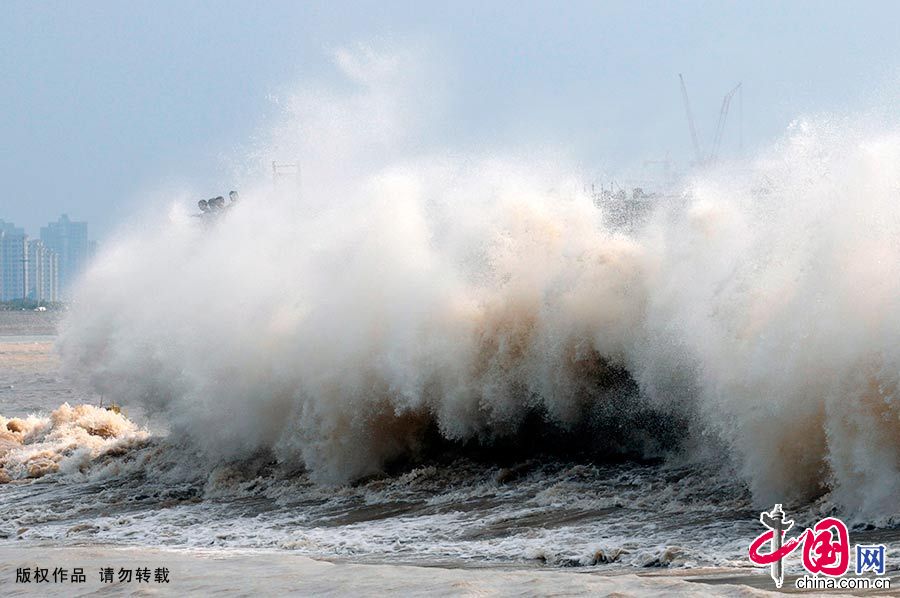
(409, 291)
(67, 441)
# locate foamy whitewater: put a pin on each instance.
(418, 354)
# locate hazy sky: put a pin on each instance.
(100, 101)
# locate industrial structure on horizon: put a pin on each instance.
(42, 270)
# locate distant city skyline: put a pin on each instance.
(35, 232)
(43, 269)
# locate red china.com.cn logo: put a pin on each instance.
(825, 552)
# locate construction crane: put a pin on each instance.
(690, 117)
(713, 155)
(720, 126)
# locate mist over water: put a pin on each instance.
(402, 293)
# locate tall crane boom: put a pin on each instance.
(720, 126)
(690, 118)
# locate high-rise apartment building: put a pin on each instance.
(70, 242)
(13, 262)
(43, 272)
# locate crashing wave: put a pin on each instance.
(407, 294)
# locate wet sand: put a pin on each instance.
(29, 323)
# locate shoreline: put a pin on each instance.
(24, 323)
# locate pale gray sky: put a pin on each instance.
(100, 101)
